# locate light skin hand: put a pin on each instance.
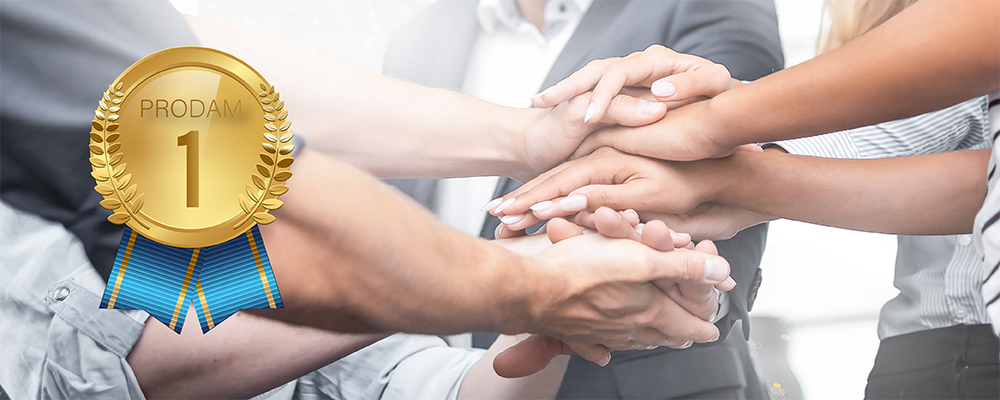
(535, 352)
(675, 78)
(712, 221)
(553, 134)
(607, 178)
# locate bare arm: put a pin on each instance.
(927, 194)
(395, 129)
(246, 356)
(934, 54)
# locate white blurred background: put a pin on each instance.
(826, 284)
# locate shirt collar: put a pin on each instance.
(493, 12)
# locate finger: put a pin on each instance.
(632, 194)
(750, 147)
(596, 353)
(528, 356)
(655, 234)
(637, 68)
(726, 285)
(582, 173)
(519, 222)
(632, 217)
(585, 219)
(502, 204)
(680, 326)
(629, 111)
(559, 229)
(699, 299)
(579, 82)
(611, 224)
(503, 232)
(705, 81)
(687, 266)
(707, 246)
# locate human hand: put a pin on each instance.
(608, 178)
(534, 353)
(714, 221)
(553, 134)
(674, 78)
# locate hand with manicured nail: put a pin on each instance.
(555, 133)
(678, 193)
(674, 78)
(674, 325)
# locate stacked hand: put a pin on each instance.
(607, 170)
(680, 302)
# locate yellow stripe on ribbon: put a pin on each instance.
(260, 270)
(204, 305)
(187, 281)
(121, 271)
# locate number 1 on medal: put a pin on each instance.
(190, 140)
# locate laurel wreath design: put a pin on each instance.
(268, 181)
(125, 201)
(106, 159)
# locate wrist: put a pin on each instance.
(518, 125)
(721, 125)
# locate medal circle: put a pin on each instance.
(191, 129)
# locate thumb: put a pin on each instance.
(528, 356)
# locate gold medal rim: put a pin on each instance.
(275, 142)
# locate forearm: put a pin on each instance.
(929, 194)
(482, 382)
(387, 127)
(243, 357)
(933, 55)
(351, 254)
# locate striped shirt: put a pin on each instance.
(986, 230)
(939, 277)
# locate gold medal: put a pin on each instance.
(190, 147)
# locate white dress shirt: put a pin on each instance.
(508, 64)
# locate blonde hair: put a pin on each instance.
(845, 20)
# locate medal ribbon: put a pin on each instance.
(219, 280)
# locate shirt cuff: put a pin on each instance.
(723, 309)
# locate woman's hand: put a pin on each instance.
(674, 78)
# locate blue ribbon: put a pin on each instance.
(219, 280)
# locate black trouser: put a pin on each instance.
(958, 362)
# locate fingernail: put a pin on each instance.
(545, 205)
(542, 93)
(687, 344)
(715, 269)
(714, 339)
(649, 107)
(680, 237)
(631, 211)
(590, 112)
(575, 203)
(731, 281)
(663, 88)
(605, 361)
(512, 219)
(492, 204)
(504, 205)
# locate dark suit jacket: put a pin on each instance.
(433, 50)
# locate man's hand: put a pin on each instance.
(535, 352)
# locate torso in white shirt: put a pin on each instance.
(508, 64)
